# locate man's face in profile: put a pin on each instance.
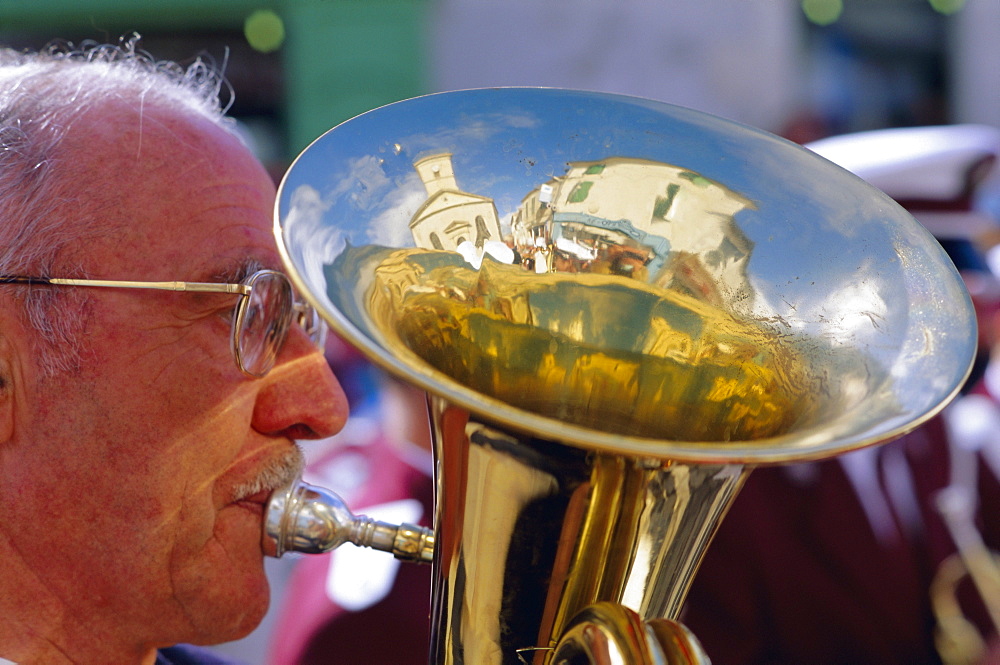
(135, 465)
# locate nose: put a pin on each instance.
(300, 397)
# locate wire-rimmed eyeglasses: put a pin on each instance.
(265, 312)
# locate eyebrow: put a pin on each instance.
(239, 270)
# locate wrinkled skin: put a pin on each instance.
(124, 528)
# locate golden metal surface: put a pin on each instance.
(606, 633)
(600, 351)
(664, 204)
(537, 531)
(617, 307)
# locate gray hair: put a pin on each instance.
(40, 95)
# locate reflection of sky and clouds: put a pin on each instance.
(820, 241)
(830, 254)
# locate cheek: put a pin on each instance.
(160, 342)
(219, 583)
(182, 409)
(140, 463)
(201, 559)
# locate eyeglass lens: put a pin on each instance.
(311, 322)
(263, 325)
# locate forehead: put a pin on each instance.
(182, 197)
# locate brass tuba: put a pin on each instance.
(617, 308)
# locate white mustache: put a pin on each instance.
(280, 472)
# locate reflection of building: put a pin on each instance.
(450, 216)
(636, 218)
(640, 218)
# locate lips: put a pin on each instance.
(254, 492)
(255, 502)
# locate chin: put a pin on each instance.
(228, 592)
(233, 613)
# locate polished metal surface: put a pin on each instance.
(532, 531)
(610, 633)
(309, 519)
(665, 208)
(617, 308)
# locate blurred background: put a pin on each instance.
(803, 69)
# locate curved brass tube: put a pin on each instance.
(959, 641)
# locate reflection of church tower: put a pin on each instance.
(450, 216)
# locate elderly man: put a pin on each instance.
(143, 420)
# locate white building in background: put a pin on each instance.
(975, 62)
(746, 61)
(739, 60)
(636, 218)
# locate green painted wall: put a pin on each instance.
(344, 58)
(56, 15)
(340, 57)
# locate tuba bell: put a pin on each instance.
(617, 308)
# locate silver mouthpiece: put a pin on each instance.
(304, 518)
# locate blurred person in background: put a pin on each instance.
(886, 554)
(338, 607)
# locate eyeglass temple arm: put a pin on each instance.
(206, 287)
